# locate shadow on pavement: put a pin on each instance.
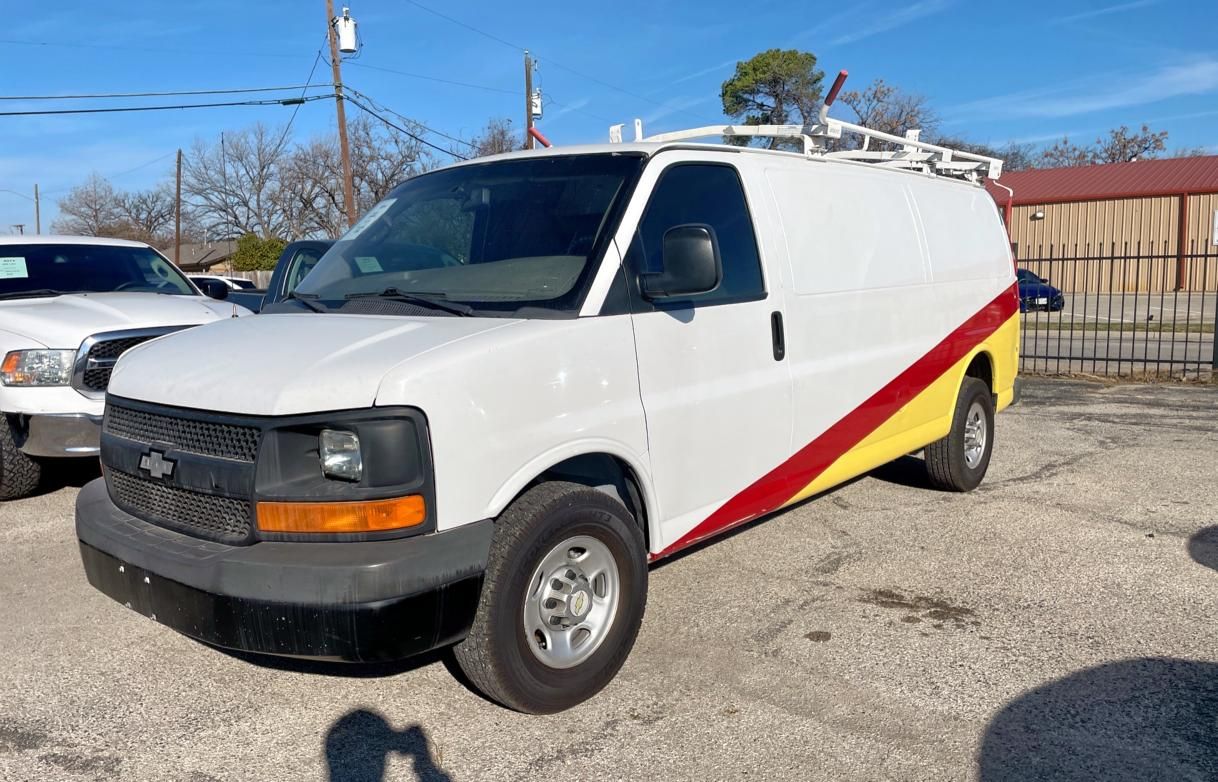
(1141, 719)
(907, 471)
(63, 473)
(358, 746)
(336, 669)
(1203, 547)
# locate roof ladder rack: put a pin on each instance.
(907, 152)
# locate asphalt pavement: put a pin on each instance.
(1058, 623)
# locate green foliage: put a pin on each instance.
(774, 87)
(257, 254)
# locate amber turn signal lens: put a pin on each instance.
(369, 516)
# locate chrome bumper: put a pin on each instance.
(63, 434)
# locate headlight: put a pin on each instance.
(340, 456)
(37, 367)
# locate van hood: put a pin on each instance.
(64, 321)
(284, 364)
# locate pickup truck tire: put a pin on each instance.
(530, 647)
(19, 474)
(958, 462)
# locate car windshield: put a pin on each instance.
(1023, 275)
(49, 269)
(498, 238)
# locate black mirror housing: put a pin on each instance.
(214, 289)
(692, 263)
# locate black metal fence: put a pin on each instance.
(1119, 311)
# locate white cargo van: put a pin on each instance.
(519, 380)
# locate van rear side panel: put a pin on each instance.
(874, 336)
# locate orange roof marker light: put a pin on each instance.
(342, 517)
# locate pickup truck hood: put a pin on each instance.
(284, 364)
(64, 321)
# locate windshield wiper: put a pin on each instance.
(35, 292)
(307, 299)
(433, 300)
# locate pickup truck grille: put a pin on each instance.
(211, 516)
(206, 438)
(98, 353)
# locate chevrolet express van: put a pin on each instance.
(517, 381)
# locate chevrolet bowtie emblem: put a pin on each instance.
(157, 465)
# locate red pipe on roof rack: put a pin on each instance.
(535, 133)
(836, 88)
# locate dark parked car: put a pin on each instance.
(1035, 293)
(296, 260)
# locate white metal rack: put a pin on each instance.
(910, 152)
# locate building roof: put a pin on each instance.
(65, 239)
(1171, 176)
(202, 256)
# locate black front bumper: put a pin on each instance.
(359, 602)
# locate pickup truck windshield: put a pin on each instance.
(29, 270)
(498, 238)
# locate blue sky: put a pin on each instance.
(1029, 71)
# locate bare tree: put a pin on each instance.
(1121, 146)
(1014, 156)
(233, 184)
(381, 159)
(495, 138)
(883, 107)
(147, 215)
(93, 208)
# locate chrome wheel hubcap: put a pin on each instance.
(571, 602)
(974, 435)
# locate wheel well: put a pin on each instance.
(606, 473)
(982, 368)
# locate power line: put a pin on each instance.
(419, 139)
(549, 60)
(164, 94)
(434, 78)
(308, 83)
(387, 110)
(118, 109)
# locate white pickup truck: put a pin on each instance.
(69, 306)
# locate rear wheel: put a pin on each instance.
(562, 601)
(19, 473)
(959, 461)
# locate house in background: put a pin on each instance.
(203, 256)
(1162, 215)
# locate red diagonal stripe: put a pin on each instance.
(786, 480)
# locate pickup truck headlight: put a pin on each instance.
(340, 455)
(37, 368)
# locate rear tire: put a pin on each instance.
(562, 600)
(19, 474)
(959, 461)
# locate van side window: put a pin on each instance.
(712, 195)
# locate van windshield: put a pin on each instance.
(500, 238)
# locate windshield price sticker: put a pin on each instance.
(368, 219)
(367, 264)
(12, 267)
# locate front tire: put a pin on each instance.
(562, 600)
(959, 461)
(19, 474)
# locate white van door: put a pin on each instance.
(714, 382)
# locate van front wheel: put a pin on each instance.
(958, 462)
(562, 599)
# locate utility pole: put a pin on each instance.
(177, 216)
(20, 228)
(37, 211)
(528, 100)
(348, 188)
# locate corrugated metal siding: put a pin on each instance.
(1077, 236)
(1202, 216)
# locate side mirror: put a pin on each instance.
(691, 263)
(213, 288)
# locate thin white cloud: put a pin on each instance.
(882, 21)
(705, 71)
(1104, 11)
(566, 108)
(1107, 91)
(672, 106)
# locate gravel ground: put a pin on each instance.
(1058, 623)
